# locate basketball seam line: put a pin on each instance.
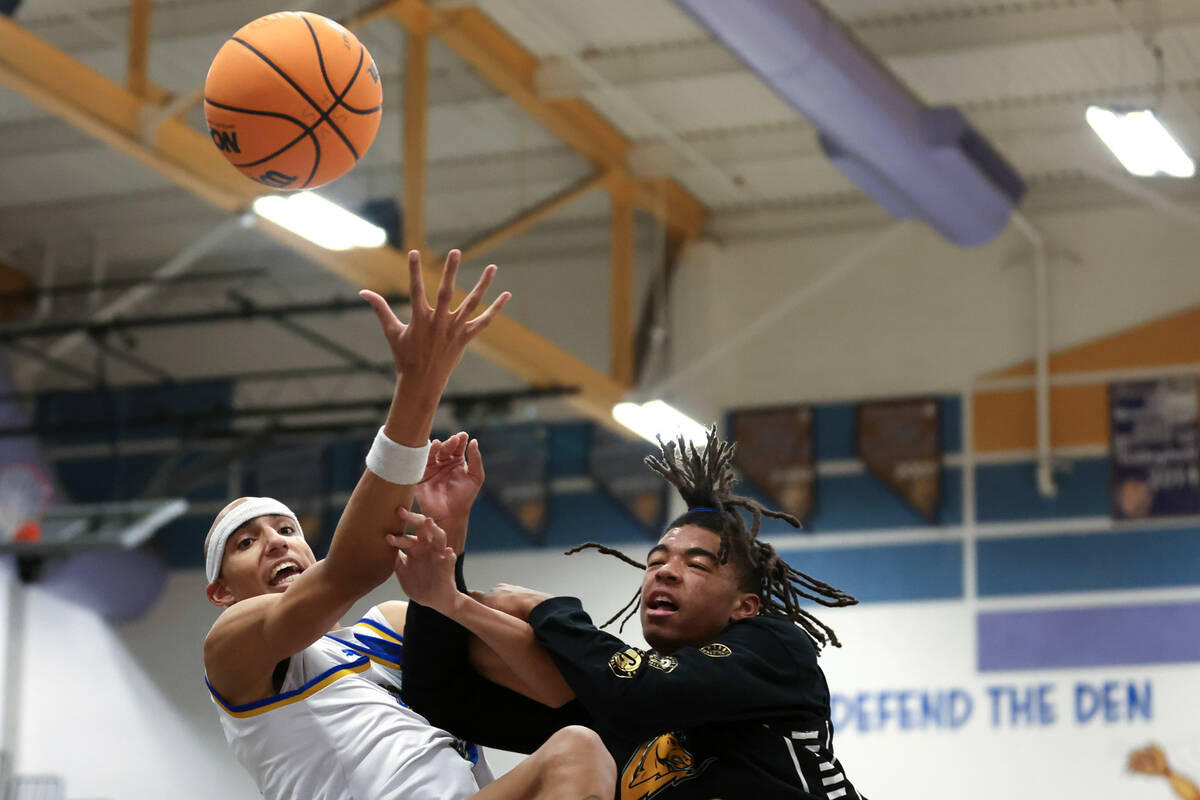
(341, 98)
(324, 114)
(304, 131)
(228, 107)
(362, 53)
(325, 74)
(337, 100)
(316, 161)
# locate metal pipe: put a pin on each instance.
(99, 263)
(178, 263)
(225, 413)
(318, 339)
(98, 284)
(41, 358)
(969, 508)
(245, 311)
(1041, 348)
(151, 117)
(303, 373)
(45, 302)
(103, 345)
(15, 643)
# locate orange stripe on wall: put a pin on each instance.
(1079, 415)
(1162, 342)
(1007, 420)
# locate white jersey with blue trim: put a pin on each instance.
(338, 731)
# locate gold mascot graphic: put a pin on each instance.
(657, 764)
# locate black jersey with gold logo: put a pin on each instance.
(746, 717)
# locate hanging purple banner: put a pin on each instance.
(1155, 455)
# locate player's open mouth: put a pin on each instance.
(284, 573)
(659, 605)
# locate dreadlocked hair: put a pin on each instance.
(704, 478)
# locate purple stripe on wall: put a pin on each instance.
(1089, 637)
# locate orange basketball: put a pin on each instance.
(293, 100)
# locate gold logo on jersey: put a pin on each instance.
(625, 663)
(656, 765)
(664, 663)
(715, 650)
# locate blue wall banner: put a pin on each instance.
(1155, 458)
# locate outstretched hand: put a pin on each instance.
(424, 563)
(431, 344)
(453, 477)
(1149, 761)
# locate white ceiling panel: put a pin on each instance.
(549, 26)
(1022, 71)
(47, 177)
(483, 127)
(704, 103)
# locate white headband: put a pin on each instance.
(239, 516)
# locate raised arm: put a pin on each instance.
(256, 633)
(425, 352)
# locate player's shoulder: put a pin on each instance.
(780, 629)
(235, 669)
(236, 618)
(392, 614)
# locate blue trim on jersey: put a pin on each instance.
(374, 648)
(350, 666)
(381, 627)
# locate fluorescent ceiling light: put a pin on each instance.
(1140, 142)
(320, 221)
(656, 418)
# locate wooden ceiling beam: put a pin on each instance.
(137, 78)
(111, 113)
(416, 130)
(621, 291)
(510, 68)
(526, 219)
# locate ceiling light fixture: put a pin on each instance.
(1140, 142)
(320, 221)
(656, 418)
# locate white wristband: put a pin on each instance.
(397, 463)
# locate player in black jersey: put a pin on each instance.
(730, 702)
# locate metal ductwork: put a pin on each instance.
(917, 162)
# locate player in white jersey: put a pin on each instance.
(308, 706)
